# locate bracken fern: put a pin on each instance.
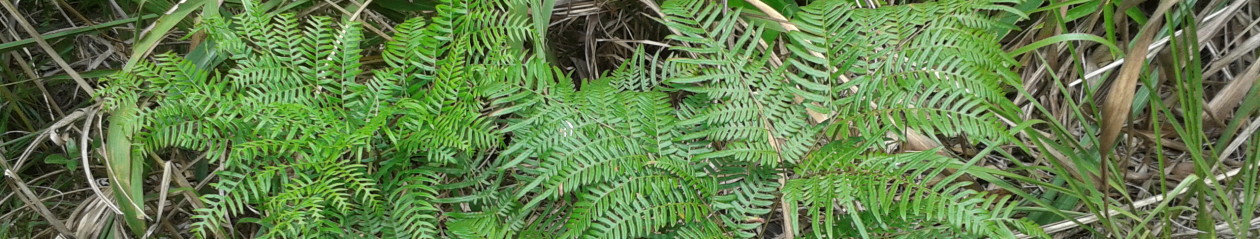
(466, 133)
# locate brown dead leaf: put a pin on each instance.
(1230, 96)
(1180, 171)
(1120, 98)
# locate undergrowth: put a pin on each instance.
(470, 119)
(467, 133)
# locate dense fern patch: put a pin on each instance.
(469, 133)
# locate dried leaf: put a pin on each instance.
(1120, 98)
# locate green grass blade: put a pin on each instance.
(125, 171)
(7, 46)
(159, 29)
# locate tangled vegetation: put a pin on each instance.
(477, 119)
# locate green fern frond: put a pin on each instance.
(909, 66)
(466, 133)
(886, 195)
(412, 213)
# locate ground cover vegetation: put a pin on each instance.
(629, 119)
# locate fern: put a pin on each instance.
(617, 152)
(298, 130)
(466, 133)
(886, 195)
(931, 67)
(900, 79)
